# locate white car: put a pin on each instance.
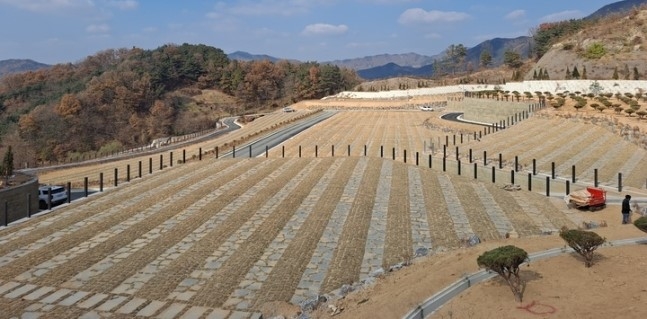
(426, 108)
(288, 109)
(59, 195)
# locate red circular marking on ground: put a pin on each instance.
(537, 308)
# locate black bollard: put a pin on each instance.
(69, 192)
(475, 171)
(116, 177)
(620, 182)
(529, 181)
(127, 172)
(595, 177)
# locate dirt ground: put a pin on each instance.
(558, 287)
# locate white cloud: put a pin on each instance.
(324, 29)
(516, 15)
(417, 15)
(560, 16)
(124, 4)
(433, 36)
(47, 5)
(97, 28)
(269, 7)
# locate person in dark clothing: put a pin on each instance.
(626, 209)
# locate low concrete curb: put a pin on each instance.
(437, 300)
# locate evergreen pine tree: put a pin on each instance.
(576, 73)
(534, 75)
(568, 73)
(626, 72)
(584, 76)
(546, 77)
(7, 164)
(615, 73)
(636, 74)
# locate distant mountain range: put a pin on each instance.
(617, 7)
(17, 66)
(392, 65)
(412, 64)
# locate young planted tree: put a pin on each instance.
(505, 261)
(583, 242)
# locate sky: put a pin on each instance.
(62, 31)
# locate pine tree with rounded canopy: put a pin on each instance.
(505, 261)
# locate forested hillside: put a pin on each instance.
(127, 97)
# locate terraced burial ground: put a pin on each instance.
(218, 238)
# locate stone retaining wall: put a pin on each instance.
(15, 202)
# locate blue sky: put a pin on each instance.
(59, 31)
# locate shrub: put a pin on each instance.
(505, 261)
(595, 51)
(583, 242)
(641, 223)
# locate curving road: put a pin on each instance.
(458, 117)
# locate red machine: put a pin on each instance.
(591, 198)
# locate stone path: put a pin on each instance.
(377, 230)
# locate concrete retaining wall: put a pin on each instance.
(584, 86)
(18, 202)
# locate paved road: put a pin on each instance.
(458, 117)
(258, 147)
